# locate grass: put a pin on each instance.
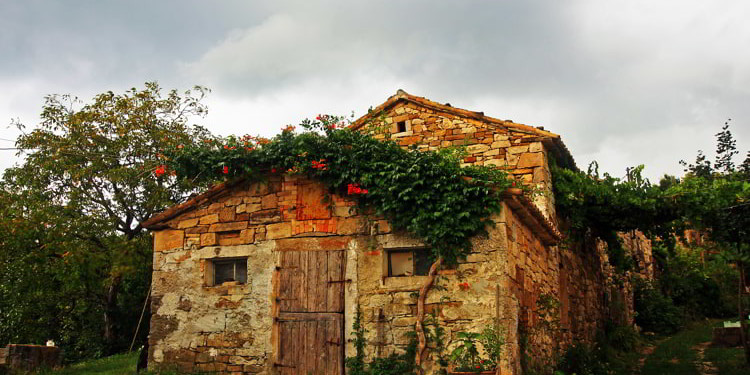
(118, 364)
(676, 356)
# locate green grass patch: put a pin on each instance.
(675, 354)
(729, 361)
(113, 365)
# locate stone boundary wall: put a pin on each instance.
(23, 358)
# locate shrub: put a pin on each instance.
(581, 359)
(655, 312)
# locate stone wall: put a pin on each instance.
(230, 328)
(24, 359)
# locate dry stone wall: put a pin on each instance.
(229, 328)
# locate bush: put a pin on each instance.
(655, 312)
(581, 359)
(622, 338)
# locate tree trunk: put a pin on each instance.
(420, 311)
(110, 308)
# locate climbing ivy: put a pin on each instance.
(603, 205)
(423, 192)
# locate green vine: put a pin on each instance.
(602, 206)
(425, 193)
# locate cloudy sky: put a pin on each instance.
(624, 82)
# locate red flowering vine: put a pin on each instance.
(464, 286)
(225, 170)
(353, 189)
(318, 164)
(160, 170)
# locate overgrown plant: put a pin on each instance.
(423, 192)
(394, 364)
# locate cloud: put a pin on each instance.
(627, 83)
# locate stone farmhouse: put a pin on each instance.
(264, 277)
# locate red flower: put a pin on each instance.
(225, 170)
(226, 147)
(464, 286)
(352, 189)
(273, 170)
(479, 366)
(319, 164)
(160, 170)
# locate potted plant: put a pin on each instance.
(466, 358)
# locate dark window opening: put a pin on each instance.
(414, 262)
(401, 126)
(230, 270)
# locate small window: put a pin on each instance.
(411, 262)
(230, 270)
(401, 126)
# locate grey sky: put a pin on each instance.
(623, 82)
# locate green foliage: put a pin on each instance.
(75, 265)
(701, 288)
(533, 361)
(582, 359)
(425, 193)
(466, 355)
(395, 364)
(435, 334)
(356, 365)
(604, 205)
(655, 312)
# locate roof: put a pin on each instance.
(553, 141)
(530, 215)
(158, 221)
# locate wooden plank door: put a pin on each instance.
(311, 306)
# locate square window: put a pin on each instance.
(234, 269)
(401, 126)
(409, 262)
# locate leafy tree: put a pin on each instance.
(92, 173)
(717, 202)
(726, 149)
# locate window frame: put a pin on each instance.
(210, 275)
(388, 264)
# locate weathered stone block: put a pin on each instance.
(269, 201)
(168, 239)
(518, 149)
(187, 223)
(279, 230)
(209, 239)
(227, 214)
(475, 149)
(209, 219)
(531, 160)
(228, 227)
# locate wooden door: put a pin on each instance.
(311, 307)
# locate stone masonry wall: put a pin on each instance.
(577, 276)
(230, 328)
